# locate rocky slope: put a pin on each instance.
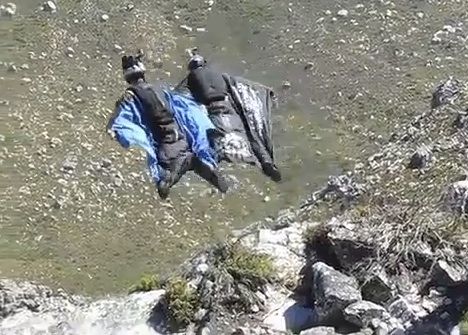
(391, 259)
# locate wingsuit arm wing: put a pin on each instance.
(131, 130)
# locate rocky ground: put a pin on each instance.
(381, 249)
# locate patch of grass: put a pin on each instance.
(242, 264)
(464, 324)
(146, 283)
(182, 302)
(313, 233)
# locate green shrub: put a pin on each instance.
(146, 283)
(182, 302)
(245, 264)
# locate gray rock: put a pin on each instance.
(343, 13)
(445, 274)
(70, 164)
(12, 68)
(456, 197)
(445, 93)
(348, 244)
(104, 17)
(69, 51)
(461, 121)
(49, 6)
(377, 288)
(343, 187)
(25, 296)
(28, 308)
(362, 313)
(333, 292)
(319, 331)
(406, 310)
(8, 10)
(421, 158)
(241, 331)
(366, 331)
(289, 316)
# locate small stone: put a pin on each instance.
(104, 17)
(343, 13)
(55, 142)
(118, 48)
(69, 51)
(24, 67)
(106, 163)
(461, 121)
(203, 268)
(456, 197)
(446, 93)
(26, 80)
(130, 7)
(117, 180)
(421, 158)
(286, 84)
(309, 66)
(49, 6)
(186, 28)
(12, 68)
(200, 314)
(201, 30)
(420, 15)
(266, 199)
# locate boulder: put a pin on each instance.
(348, 244)
(445, 274)
(377, 288)
(285, 247)
(333, 292)
(290, 316)
(362, 313)
(25, 296)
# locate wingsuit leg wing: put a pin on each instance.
(254, 103)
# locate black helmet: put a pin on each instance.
(132, 67)
(195, 62)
